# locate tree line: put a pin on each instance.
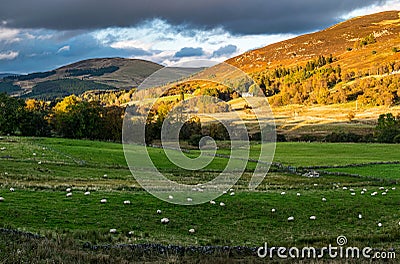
(70, 118)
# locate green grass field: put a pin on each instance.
(41, 169)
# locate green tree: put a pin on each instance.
(388, 128)
(11, 112)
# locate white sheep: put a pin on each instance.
(113, 231)
(39, 162)
(383, 193)
(359, 216)
(283, 193)
(273, 210)
(103, 201)
(87, 193)
(3, 148)
(159, 211)
(164, 220)
(344, 188)
(130, 233)
(212, 202)
(290, 218)
(394, 188)
(1, 199)
(298, 194)
(170, 197)
(313, 217)
(34, 154)
(232, 193)
(105, 176)
(352, 194)
(231, 189)
(69, 194)
(222, 204)
(362, 192)
(315, 184)
(191, 231)
(12, 189)
(189, 199)
(324, 199)
(68, 190)
(127, 202)
(374, 193)
(380, 224)
(381, 188)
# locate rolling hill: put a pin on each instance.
(92, 74)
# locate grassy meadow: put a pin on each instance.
(40, 170)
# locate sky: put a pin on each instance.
(42, 35)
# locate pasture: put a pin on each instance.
(41, 169)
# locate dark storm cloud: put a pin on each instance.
(226, 50)
(189, 52)
(237, 16)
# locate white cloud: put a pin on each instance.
(9, 35)
(163, 40)
(63, 49)
(388, 6)
(131, 44)
(9, 55)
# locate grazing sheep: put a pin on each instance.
(232, 194)
(12, 189)
(69, 194)
(344, 188)
(374, 193)
(68, 190)
(212, 202)
(34, 154)
(1, 199)
(273, 210)
(298, 194)
(113, 231)
(127, 202)
(315, 184)
(362, 192)
(313, 217)
(224, 192)
(383, 193)
(283, 193)
(164, 221)
(231, 189)
(352, 194)
(381, 188)
(290, 218)
(380, 224)
(394, 188)
(191, 231)
(170, 197)
(324, 199)
(159, 211)
(39, 162)
(103, 201)
(3, 148)
(221, 204)
(105, 176)
(359, 216)
(130, 233)
(87, 193)
(189, 199)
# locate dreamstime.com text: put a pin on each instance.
(340, 251)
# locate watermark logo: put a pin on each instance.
(201, 93)
(334, 252)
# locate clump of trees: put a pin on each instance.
(70, 118)
(321, 82)
(388, 128)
